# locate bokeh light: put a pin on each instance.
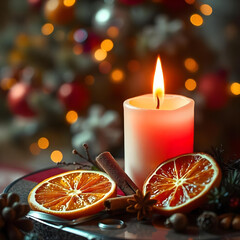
(71, 117)
(235, 88)
(7, 83)
(69, 3)
(105, 67)
(47, 29)
(51, 5)
(100, 54)
(56, 156)
(34, 149)
(89, 79)
(103, 15)
(113, 32)
(117, 75)
(80, 35)
(190, 84)
(43, 143)
(206, 9)
(191, 65)
(190, 1)
(196, 20)
(107, 45)
(78, 49)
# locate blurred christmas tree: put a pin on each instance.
(60, 57)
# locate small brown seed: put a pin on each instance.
(25, 210)
(236, 222)
(11, 198)
(3, 203)
(178, 221)
(8, 214)
(18, 208)
(225, 223)
(4, 196)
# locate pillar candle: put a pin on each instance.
(152, 135)
(157, 127)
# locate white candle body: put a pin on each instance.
(152, 135)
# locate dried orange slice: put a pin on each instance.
(182, 183)
(72, 194)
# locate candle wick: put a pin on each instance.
(158, 103)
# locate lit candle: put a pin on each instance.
(157, 127)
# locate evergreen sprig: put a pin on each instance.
(226, 197)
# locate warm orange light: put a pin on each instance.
(196, 20)
(158, 84)
(71, 117)
(107, 45)
(7, 83)
(47, 29)
(190, 84)
(191, 65)
(190, 1)
(117, 75)
(34, 149)
(56, 156)
(78, 49)
(100, 54)
(113, 32)
(43, 143)
(206, 9)
(69, 3)
(105, 67)
(235, 88)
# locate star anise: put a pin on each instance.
(141, 204)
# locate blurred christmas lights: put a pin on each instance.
(78, 49)
(71, 117)
(107, 45)
(7, 83)
(190, 1)
(196, 20)
(100, 55)
(191, 65)
(56, 156)
(34, 149)
(235, 88)
(117, 75)
(190, 84)
(206, 9)
(113, 32)
(47, 29)
(105, 67)
(69, 3)
(43, 143)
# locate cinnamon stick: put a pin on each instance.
(106, 161)
(117, 203)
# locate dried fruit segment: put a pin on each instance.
(182, 183)
(72, 194)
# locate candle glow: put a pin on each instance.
(152, 135)
(158, 84)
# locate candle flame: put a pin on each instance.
(158, 84)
